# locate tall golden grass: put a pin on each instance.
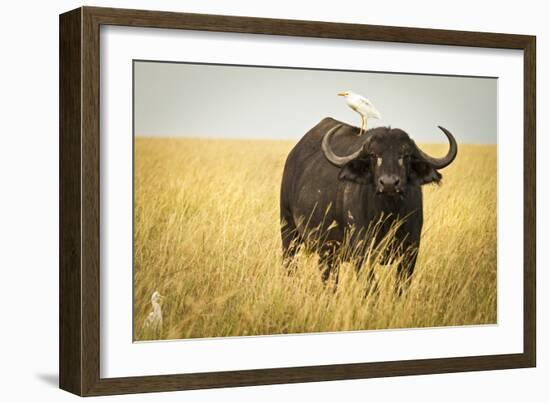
(207, 237)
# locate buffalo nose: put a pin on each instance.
(388, 183)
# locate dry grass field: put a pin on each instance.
(207, 238)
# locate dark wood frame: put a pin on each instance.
(79, 201)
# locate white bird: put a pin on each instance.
(362, 106)
(153, 322)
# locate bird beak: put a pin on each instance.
(342, 94)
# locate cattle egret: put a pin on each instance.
(362, 106)
(153, 322)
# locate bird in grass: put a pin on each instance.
(153, 322)
(362, 106)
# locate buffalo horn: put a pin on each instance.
(439, 163)
(329, 154)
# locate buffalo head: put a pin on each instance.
(390, 160)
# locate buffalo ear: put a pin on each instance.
(357, 171)
(423, 173)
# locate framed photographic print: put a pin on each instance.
(249, 201)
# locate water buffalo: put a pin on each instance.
(336, 184)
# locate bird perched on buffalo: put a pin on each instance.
(362, 106)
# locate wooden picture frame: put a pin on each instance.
(79, 348)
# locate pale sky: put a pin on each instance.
(192, 100)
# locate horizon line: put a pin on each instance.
(235, 138)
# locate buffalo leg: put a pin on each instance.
(328, 262)
(372, 281)
(290, 239)
(404, 274)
